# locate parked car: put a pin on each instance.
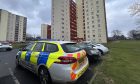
(92, 53)
(53, 61)
(101, 48)
(5, 45)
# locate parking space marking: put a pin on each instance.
(13, 76)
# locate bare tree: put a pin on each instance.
(135, 8)
(131, 34)
(117, 33)
(134, 34)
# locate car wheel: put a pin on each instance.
(8, 49)
(102, 53)
(44, 76)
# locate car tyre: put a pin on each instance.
(102, 53)
(44, 76)
(8, 49)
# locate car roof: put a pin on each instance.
(59, 42)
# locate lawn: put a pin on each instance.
(121, 65)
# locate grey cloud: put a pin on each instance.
(36, 11)
(118, 16)
(39, 11)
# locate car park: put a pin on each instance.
(6, 46)
(92, 53)
(53, 61)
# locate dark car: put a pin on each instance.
(93, 54)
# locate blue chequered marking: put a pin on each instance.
(28, 56)
(43, 57)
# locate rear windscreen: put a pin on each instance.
(70, 47)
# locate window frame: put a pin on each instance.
(35, 46)
(45, 45)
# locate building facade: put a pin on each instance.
(45, 31)
(64, 23)
(12, 27)
(91, 20)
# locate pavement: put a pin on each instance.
(9, 74)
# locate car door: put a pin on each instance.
(37, 50)
(25, 54)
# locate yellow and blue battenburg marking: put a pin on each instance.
(28, 56)
(43, 57)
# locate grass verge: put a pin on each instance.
(121, 65)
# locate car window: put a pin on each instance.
(29, 47)
(38, 47)
(70, 47)
(51, 48)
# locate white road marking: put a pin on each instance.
(13, 76)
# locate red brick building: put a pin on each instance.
(49, 32)
(73, 21)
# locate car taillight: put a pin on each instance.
(66, 60)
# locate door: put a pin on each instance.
(25, 55)
(36, 52)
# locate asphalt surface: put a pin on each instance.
(9, 74)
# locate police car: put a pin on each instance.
(53, 61)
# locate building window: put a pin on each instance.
(62, 18)
(97, 2)
(93, 26)
(62, 10)
(62, 31)
(62, 22)
(98, 20)
(97, 15)
(88, 36)
(99, 30)
(93, 31)
(100, 40)
(99, 25)
(97, 11)
(62, 27)
(92, 21)
(99, 35)
(93, 35)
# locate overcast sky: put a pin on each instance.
(39, 11)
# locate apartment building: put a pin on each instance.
(91, 20)
(64, 22)
(45, 31)
(12, 27)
